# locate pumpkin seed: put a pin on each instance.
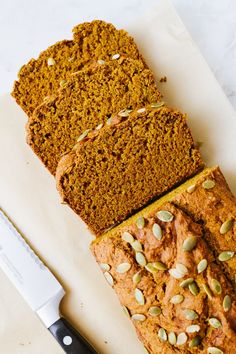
(182, 338)
(150, 268)
(83, 135)
(63, 83)
(123, 268)
(227, 303)
(172, 338)
(202, 265)
(226, 226)
(137, 278)
(124, 112)
(190, 315)
(186, 282)
(181, 268)
(176, 274)
(191, 188)
(214, 322)
(193, 328)
(140, 258)
(115, 56)
(216, 287)
(138, 294)
(165, 216)
(109, 278)
(193, 288)
(214, 350)
(159, 266)
(138, 317)
(140, 222)
(51, 62)
(162, 335)
(207, 291)
(177, 299)
(99, 126)
(195, 342)
(101, 62)
(141, 110)
(127, 237)
(137, 246)
(208, 184)
(154, 311)
(157, 232)
(157, 104)
(126, 311)
(225, 256)
(189, 243)
(105, 266)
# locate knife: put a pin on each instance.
(38, 286)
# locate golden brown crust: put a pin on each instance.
(127, 165)
(159, 286)
(92, 41)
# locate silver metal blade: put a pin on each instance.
(30, 276)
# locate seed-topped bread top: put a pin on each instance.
(106, 178)
(169, 282)
(96, 40)
(86, 101)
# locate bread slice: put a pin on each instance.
(86, 101)
(169, 281)
(128, 164)
(41, 77)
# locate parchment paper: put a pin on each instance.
(28, 194)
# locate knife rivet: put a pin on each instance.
(67, 340)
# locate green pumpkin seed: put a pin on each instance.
(157, 104)
(138, 317)
(124, 112)
(140, 222)
(227, 303)
(105, 266)
(126, 311)
(202, 265)
(214, 322)
(141, 110)
(154, 311)
(177, 299)
(226, 226)
(193, 288)
(165, 216)
(140, 258)
(193, 329)
(207, 291)
(63, 83)
(101, 62)
(191, 188)
(182, 338)
(127, 237)
(181, 268)
(162, 335)
(109, 278)
(157, 232)
(195, 342)
(123, 268)
(51, 62)
(216, 287)
(190, 243)
(208, 184)
(83, 135)
(186, 282)
(137, 246)
(190, 315)
(159, 266)
(138, 294)
(150, 268)
(176, 274)
(214, 350)
(115, 56)
(137, 278)
(172, 338)
(225, 256)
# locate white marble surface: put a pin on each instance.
(28, 26)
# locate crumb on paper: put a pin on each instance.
(163, 79)
(105, 341)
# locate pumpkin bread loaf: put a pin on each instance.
(87, 100)
(170, 282)
(41, 77)
(111, 174)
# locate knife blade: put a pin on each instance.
(38, 286)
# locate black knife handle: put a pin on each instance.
(69, 339)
